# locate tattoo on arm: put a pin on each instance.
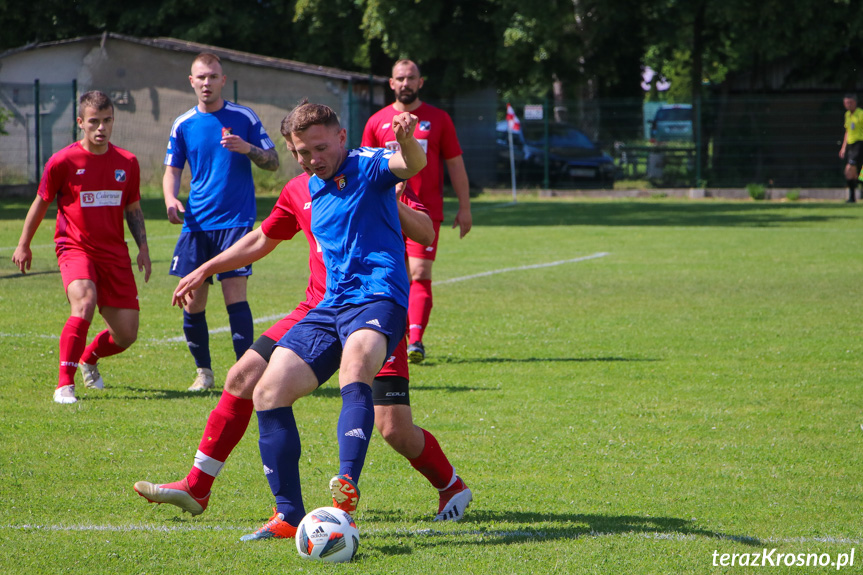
(135, 219)
(264, 159)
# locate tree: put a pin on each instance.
(5, 115)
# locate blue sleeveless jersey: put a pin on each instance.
(222, 192)
(355, 221)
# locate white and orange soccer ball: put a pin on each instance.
(328, 534)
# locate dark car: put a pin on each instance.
(672, 123)
(573, 158)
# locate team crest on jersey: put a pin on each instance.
(120, 175)
(80, 172)
(341, 182)
(424, 126)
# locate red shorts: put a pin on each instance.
(415, 250)
(397, 363)
(282, 326)
(115, 285)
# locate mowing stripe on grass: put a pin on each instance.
(269, 318)
(52, 245)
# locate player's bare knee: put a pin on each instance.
(125, 340)
(390, 432)
(242, 380)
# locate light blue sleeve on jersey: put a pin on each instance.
(375, 165)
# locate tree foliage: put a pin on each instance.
(590, 47)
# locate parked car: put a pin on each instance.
(573, 158)
(672, 123)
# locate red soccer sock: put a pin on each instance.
(73, 339)
(433, 464)
(419, 309)
(225, 427)
(103, 345)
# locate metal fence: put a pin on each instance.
(779, 140)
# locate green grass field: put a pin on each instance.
(693, 393)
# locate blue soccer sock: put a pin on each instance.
(242, 326)
(280, 453)
(356, 422)
(197, 337)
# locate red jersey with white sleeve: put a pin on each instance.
(92, 192)
(436, 134)
(293, 213)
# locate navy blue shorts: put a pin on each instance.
(320, 336)
(195, 248)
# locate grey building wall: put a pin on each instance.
(149, 83)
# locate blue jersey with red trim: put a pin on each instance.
(355, 221)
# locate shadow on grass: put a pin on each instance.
(648, 213)
(565, 213)
(20, 275)
(140, 393)
(328, 391)
(515, 527)
(461, 360)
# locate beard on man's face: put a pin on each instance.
(406, 96)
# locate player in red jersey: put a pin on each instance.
(95, 184)
(436, 133)
(228, 422)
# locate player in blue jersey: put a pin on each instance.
(363, 314)
(219, 140)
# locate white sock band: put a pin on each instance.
(207, 464)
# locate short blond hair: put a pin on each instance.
(207, 58)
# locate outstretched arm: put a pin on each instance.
(23, 256)
(252, 247)
(264, 159)
(135, 221)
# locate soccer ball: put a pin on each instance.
(328, 534)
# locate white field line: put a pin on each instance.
(504, 534)
(522, 268)
(223, 329)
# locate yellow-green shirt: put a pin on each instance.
(854, 125)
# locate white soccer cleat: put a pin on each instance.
(65, 394)
(204, 381)
(454, 501)
(92, 377)
(177, 493)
